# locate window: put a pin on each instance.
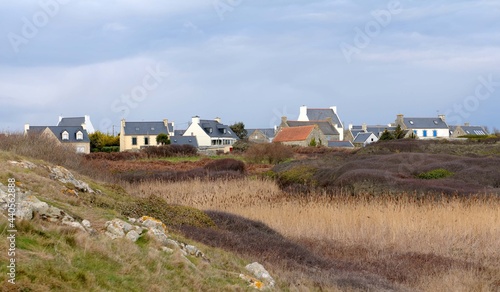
(80, 149)
(65, 135)
(435, 122)
(411, 122)
(146, 140)
(424, 133)
(434, 133)
(415, 132)
(134, 140)
(79, 135)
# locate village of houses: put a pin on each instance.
(313, 126)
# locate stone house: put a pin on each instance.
(76, 137)
(323, 114)
(261, 135)
(467, 129)
(300, 136)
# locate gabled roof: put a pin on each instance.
(58, 131)
(324, 126)
(146, 128)
(215, 129)
(268, 132)
(379, 129)
(340, 144)
(76, 122)
(71, 122)
(355, 132)
(474, 130)
(184, 140)
(179, 132)
(293, 134)
(316, 114)
(425, 123)
(362, 137)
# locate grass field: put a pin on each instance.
(434, 245)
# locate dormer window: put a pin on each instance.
(65, 135)
(79, 135)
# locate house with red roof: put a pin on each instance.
(301, 136)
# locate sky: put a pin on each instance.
(250, 61)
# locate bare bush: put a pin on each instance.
(41, 147)
(226, 164)
(272, 153)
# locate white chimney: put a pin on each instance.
(26, 128)
(218, 120)
(303, 114)
(350, 126)
(334, 109)
(195, 120)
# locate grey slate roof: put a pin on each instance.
(355, 132)
(217, 130)
(340, 144)
(58, 131)
(71, 122)
(474, 130)
(179, 132)
(324, 126)
(425, 123)
(362, 137)
(379, 129)
(316, 114)
(184, 140)
(146, 128)
(268, 132)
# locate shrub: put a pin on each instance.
(435, 174)
(272, 153)
(169, 151)
(226, 164)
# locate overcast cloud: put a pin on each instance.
(249, 61)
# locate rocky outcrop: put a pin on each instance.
(63, 175)
(261, 279)
(29, 206)
(132, 231)
(23, 164)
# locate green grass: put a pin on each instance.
(435, 174)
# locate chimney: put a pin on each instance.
(400, 120)
(165, 122)
(123, 123)
(442, 117)
(350, 126)
(218, 120)
(303, 114)
(284, 120)
(26, 128)
(466, 124)
(334, 109)
(195, 120)
(363, 127)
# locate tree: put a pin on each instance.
(239, 130)
(386, 135)
(399, 133)
(162, 139)
(99, 140)
(313, 142)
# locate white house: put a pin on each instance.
(77, 122)
(210, 133)
(321, 114)
(425, 128)
(363, 139)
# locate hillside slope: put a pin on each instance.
(64, 242)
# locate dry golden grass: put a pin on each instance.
(460, 229)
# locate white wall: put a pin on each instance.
(441, 133)
(201, 136)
